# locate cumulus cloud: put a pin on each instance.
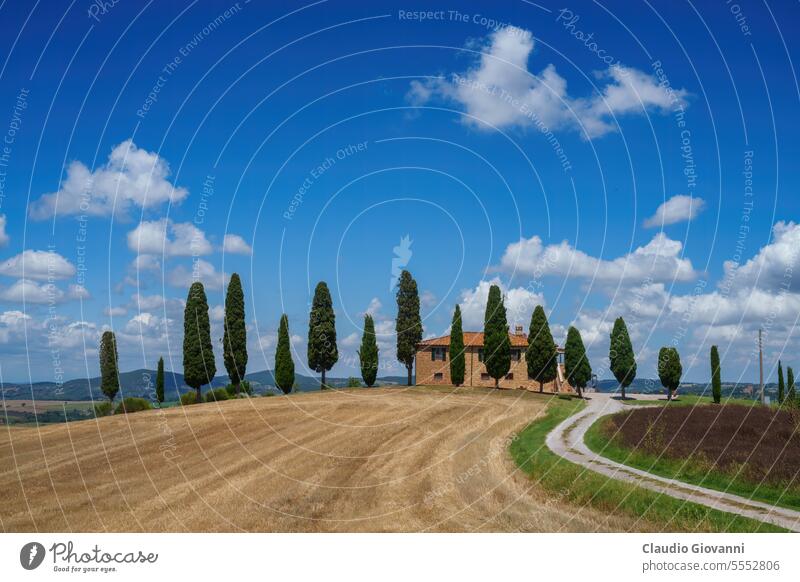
(28, 291)
(519, 301)
(115, 311)
(202, 271)
(132, 177)
(168, 238)
(774, 266)
(658, 260)
(233, 243)
(37, 265)
(12, 325)
(499, 90)
(679, 208)
(4, 238)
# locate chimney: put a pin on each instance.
(518, 330)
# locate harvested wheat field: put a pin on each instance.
(388, 459)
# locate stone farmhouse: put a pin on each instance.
(433, 364)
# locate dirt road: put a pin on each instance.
(363, 460)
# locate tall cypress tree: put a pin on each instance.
(457, 364)
(542, 354)
(160, 381)
(781, 385)
(791, 394)
(716, 381)
(234, 339)
(109, 373)
(284, 365)
(368, 352)
(496, 342)
(576, 363)
(409, 323)
(669, 370)
(322, 350)
(621, 357)
(199, 367)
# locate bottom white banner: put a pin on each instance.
(354, 557)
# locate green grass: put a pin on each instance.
(583, 487)
(694, 471)
(689, 400)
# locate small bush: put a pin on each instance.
(564, 397)
(103, 408)
(217, 395)
(189, 398)
(353, 382)
(267, 394)
(244, 388)
(131, 404)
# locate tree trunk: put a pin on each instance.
(580, 392)
(408, 368)
(622, 390)
(669, 394)
(541, 386)
(322, 383)
(497, 383)
(236, 389)
(199, 398)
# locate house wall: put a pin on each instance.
(474, 370)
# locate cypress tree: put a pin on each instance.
(457, 364)
(234, 339)
(577, 368)
(109, 373)
(284, 365)
(781, 385)
(368, 352)
(496, 343)
(542, 354)
(791, 395)
(621, 357)
(322, 350)
(716, 382)
(669, 370)
(409, 323)
(160, 381)
(199, 367)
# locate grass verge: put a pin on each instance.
(585, 487)
(689, 471)
(689, 400)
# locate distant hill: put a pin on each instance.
(650, 386)
(141, 383)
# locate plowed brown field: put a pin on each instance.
(389, 459)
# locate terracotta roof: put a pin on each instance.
(474, 339)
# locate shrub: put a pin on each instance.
(353, 382)
(103, 408)
(131, 404)
(244, 388)
(217, 395)
(189, 398)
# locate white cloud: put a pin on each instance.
(12, 325)
(201, 270)
(658, 260)
(38, 265)
(774, 266)
(115, 311)
(131, 177)
(374, 307)
(29, 291)
(500, 90)
(145, 263)
(217, 313)
(233, 243)
(167, 238)
(4, 238)
(519, 301)
(679, 208)
(427, 299)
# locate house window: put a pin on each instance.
(510, 376)
(515, 355)
(480, 355)
(438, 376)
(485, 376)
(438, 354)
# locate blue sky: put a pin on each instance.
(602, 159)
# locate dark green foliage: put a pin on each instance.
(716, 382)
(577, 369)
(669, 370)
(217, 395)
(457, 365)
(368, 352)
(781, 385)
(542, 354)
(621, 357)
(189, 398)
(131, 404)
(234, 339)
(160, 381)
(244, 388)
(103, 408)
(199, 367)
(284, 365)
(109, 374)
(322, 350)
(496, 343)
(409, 323)
(353, 382)
(791, 394)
